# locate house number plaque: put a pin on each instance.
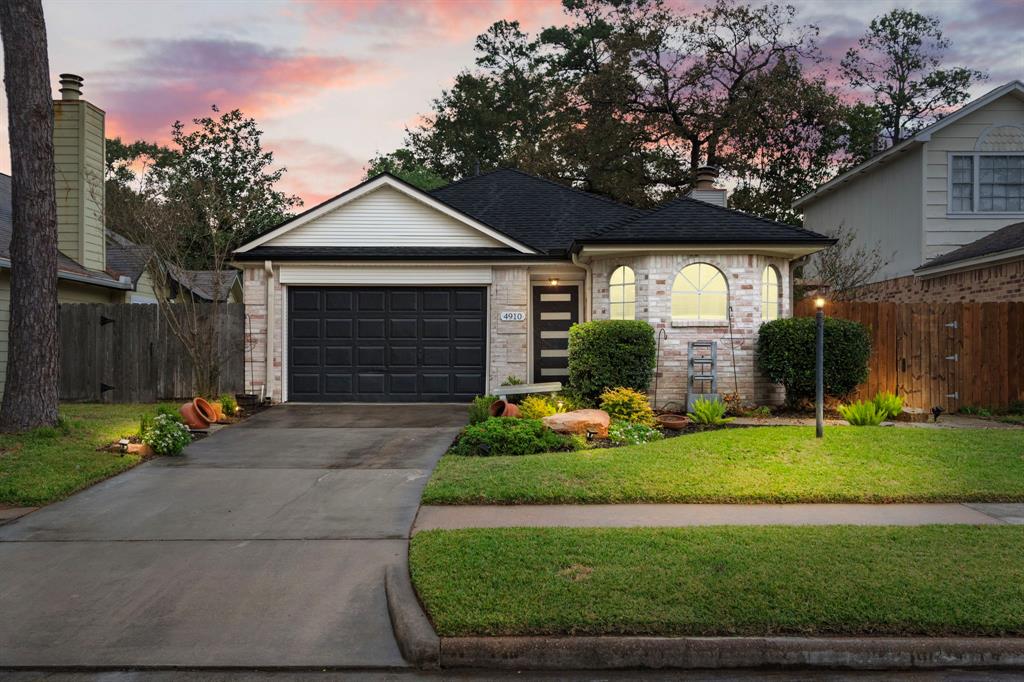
(512, 316)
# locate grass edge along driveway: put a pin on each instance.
(837, 580)
(48, 464)
(777, 464)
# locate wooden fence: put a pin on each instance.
(123, 353)
(940, 354)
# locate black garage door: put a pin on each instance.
(386, 344)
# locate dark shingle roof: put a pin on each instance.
(537, 212)
(1008, 238)
(203, 283)
(378, 253)
(687, 220)
(125, 257)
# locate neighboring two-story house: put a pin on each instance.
(944, 206)
(94, 264)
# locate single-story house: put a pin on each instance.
(387, 293)
(951, 185)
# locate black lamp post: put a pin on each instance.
(819, 370)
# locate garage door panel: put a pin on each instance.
(335, 328)
(378, 344)
(436, 356)
(304, 301)
(338, 356)
(372, 301)
(306, 356)
(338, 300)
(403, 356)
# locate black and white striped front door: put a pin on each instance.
(555, 309)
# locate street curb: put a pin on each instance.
(415, 635)
(614, 653)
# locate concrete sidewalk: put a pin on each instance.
(671, 515)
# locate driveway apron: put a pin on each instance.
(263, 545)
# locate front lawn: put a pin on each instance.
(48, 464)
(759, 465)
(837, 580)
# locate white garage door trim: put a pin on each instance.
(409, 275)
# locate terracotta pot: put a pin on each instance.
(192, 417)
(205, 409)
(503, 408)
(676, 422)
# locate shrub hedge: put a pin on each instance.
(505, 436)
(786, 352)
(607, 354)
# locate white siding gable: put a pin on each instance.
(385, 217)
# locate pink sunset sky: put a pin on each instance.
(334, 81)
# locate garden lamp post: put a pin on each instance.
(819, 369)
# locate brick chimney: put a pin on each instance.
(79, 148)
(705, 189)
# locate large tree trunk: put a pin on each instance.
(30, 396)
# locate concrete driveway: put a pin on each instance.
(264, 545)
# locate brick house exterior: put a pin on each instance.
(461, 288)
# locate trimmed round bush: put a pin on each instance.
(166, 435)
(786, 351)
(625, 404)
(607, 354)
(500, 436)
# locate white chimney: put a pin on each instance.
(704, 188)
(79, 149)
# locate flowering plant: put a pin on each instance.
(167, 435)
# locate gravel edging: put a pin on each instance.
(616, 653)
(415, 635)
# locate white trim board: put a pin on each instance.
(423, 275)
(372, 186)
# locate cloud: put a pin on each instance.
(316, 171)
(168, 80)
(431, 20)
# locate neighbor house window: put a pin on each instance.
(770, 293)
(622, 294)
(987, 183)
(700, 292)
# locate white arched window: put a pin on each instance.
(770, 293)
(700, 292)
(622, 294)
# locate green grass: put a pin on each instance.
(51, 463)
(838, 580)
(765, 464)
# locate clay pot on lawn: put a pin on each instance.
(198, 414)
(503, 408)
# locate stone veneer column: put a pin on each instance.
(508, 342)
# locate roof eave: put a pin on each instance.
(926, 271)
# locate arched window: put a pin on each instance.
(622, 294)
(700, 292)
(770, 293)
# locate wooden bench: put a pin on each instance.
(504, 392)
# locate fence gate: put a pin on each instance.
(125, 353)
(928, 353)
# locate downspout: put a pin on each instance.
(588, 308)
(268, 385)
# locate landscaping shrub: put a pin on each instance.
(228, 404)
(479, 409)
(625, 404)
(862, 413)
(888, 404)
(604, 354)
(167, 435)
(502, 436)
(632, 433)
(786, 351)
(537, 407)
(708, 412)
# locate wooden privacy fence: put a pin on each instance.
(125, 353)
(940, 354)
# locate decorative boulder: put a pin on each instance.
(583, 422)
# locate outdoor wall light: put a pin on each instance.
(553, 281)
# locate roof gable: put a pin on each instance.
(383, 212)
(1014, 88)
